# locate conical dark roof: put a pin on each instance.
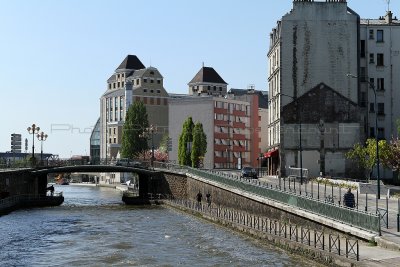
(131, 62)
(208, 75)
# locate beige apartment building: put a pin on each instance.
(130, 82)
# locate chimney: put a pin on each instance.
(388, 17)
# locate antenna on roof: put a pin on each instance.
(150, 61)
(388, 4)
(203, 64)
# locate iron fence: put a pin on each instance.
(337, 244)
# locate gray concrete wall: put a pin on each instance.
(319, 45)
(201, 109)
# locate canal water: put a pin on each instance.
(93, 228)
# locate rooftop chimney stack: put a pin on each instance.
(388, 17)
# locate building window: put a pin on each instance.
(381, 108)
(117, 76)
(123, 84)
(220, 89)
(123, 74)
(158, 101)
(363, 102)
(109, 141)
(371, 34)
(119, 84)
(215, 88)
(114, 85)
(145, 80)
(379, 59)
(371, 82)
(381, 133)
(151, 81)
(362, 49)
(137, 81)
(371, 107)
(109, 86)
(371, 58)
(115, 140)
(208, 88)
(363, 74)
(145, 100)
(152, 72)
(372, 132)
(159, 81)
(144, 90)
(381, 84)
(379, 36)
(151, 101)
(158, 91)
(151, 91)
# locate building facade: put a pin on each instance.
(207, 81)
(314, 116)
(95, 144)
(380, 70)
(130, 82)
(228, 124)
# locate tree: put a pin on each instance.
(185, 143)
(365, 155)
(164, 143)
(134, 142)
(199, 147)
(392, 158)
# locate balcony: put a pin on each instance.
(240, 125)
(220, 159)
(239, 149)
(220, 111)
(221, 135)
(239, 137)
(239, 113)
(221, 123)
(220, 147)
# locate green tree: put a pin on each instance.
(365, 155)
(392, 157)
(164, 143)
(185, 143)
(199, 147)
(134, 142)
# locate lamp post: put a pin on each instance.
(378, 193)
(34, 129)
(41, 137)
(300, 146)
(151, 130)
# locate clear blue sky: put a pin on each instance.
(55, 56)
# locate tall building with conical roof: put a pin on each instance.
(131, 82)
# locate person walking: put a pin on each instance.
(348, 199)
(199, 196)
(208, 198)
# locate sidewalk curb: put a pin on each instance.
(383, 243)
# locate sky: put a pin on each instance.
(56, 56)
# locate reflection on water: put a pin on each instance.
(94, 228)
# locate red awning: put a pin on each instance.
(270, 153)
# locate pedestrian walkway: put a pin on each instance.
(388, 207)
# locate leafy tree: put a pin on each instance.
(185, 142)
(392, 157)
(134, 142)
(365, 155)
(199, 147)
(164, 143)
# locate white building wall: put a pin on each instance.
(318, 45)
(200, 111)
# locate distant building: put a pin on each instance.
(130, 82)
(95, 144)
(228, 123)
(207, 81)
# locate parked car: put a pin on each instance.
(128, 163)
(249, 172)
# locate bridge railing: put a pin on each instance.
(358, 218)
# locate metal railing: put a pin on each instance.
(334, 243)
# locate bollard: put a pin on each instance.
(398, 215)
(318, 190)
(366, 201)
(387, 212)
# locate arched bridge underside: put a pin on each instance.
(94, 168)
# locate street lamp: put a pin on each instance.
(41, 137)
(33, 130)
(151, 129)
(300, 146)
(378, 193)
